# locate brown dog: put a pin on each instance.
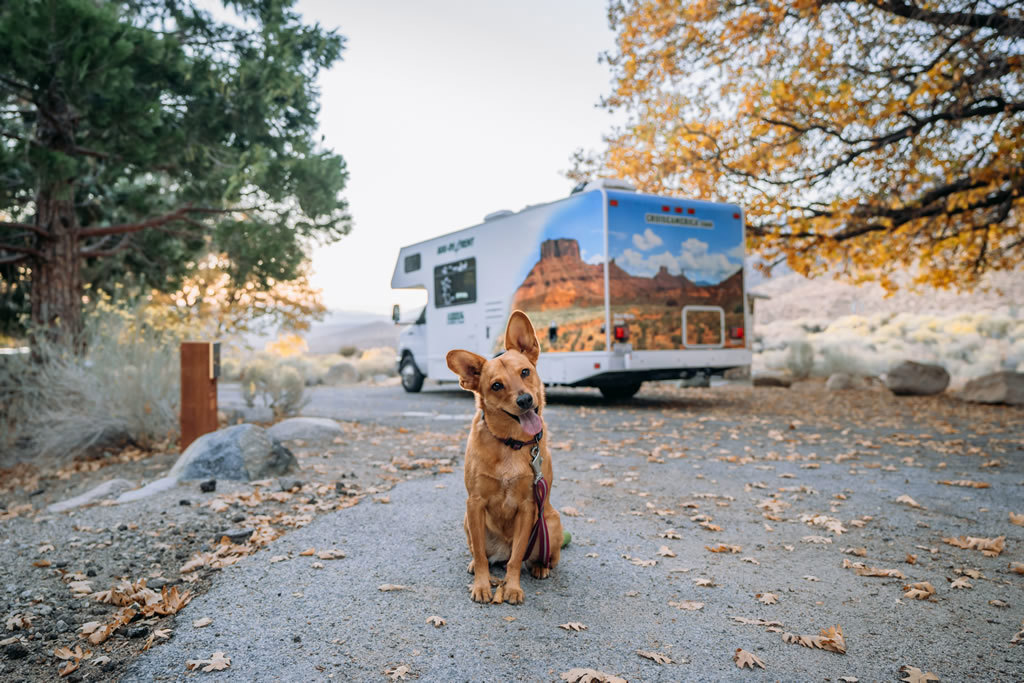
(501, 510)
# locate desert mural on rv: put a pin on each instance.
(675, 274)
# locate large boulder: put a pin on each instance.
(999, 387)
(917, 379)
(306, 428)
(243, 452)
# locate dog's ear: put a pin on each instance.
(520, 336)
(466, 365)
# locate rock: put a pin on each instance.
(16, 651)
(917, 379)
(148, 490)
(243, 452)
(289, 484)
(999, 387)
(237, 536)
(308, 428)
(208, 486)
(341, 373)
(138, 632)
(841, 381)
(767, 378)
(107, 488)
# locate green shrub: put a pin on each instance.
(348, 351)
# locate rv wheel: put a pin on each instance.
(412, 378)
(619, 392)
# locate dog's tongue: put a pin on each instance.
(530, 422)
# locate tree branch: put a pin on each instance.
(13, 259)
(21, 250)
(122, 244)
(1009, 27)
(155, 222)
(26, 226)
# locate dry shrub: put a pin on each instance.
(378, 361)
(278, 384)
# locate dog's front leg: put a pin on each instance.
(481, 591)
(520, 539)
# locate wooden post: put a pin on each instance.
(200, 367)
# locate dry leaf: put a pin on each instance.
(922, 590)
(817, 539)
(308, 552)
(966, 483)
(755, 622)
(705, 583)
(655, 656)
(670, 533)
(830, 639)
(998, 603)
(317, 565)
(915, 675)
(68, 653)
(724, 548)
(570, 512)
(333, 554)
(689, 605)
(859, 552)
(1016, 567)
(990, 547)
(19, 621)
(751, 560)
(217, 662)
(386, 587)
(573, 626)
(809, 577)
(278, 558)
(399, 673)
(1016, 519)
(436, 621)
(767, 598)
(589, 676)
(744, 658)
(962, 582)
(907, 500)
(910, 559)
(69, 667)
(665, 552)
(200, 623)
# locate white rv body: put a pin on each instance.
(604, 317)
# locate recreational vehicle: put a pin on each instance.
(622, 287)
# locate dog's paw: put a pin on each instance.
(469, 568)
(514, 595)
(539, 571)
(480, 593)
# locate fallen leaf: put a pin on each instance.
(200, 623)
(744, 658)
(317, 565)
(654, 656)
(767, 598)
(589, 676)
(817, 539)
(859, 552)
(809, 577)
(751, 560)
(278, 558)
(67, 653)
(217, 662)
(910, 559)
(665, 552)
(907, 500)
(332, 554)
(386, 587)
(1016, 567)
(1016, 519)
(990, 547)
(922, 590)
(962, 582)
(436, 621)
(399, 673)
(570, 512)
(915, 675)
(998, 603)
(724, 548)
(689, 605)
(670, 533)
(705, 583)
(307, 552)
(69, 668)
(967, 483)
(19, 621)
(573, 626)
(830, 639)
(41, 563)
(755, 622)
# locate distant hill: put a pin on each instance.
(338, 329)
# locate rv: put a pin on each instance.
(622, 287)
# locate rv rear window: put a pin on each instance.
(412, 263)
(455, 283)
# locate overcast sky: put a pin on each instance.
(447, 111)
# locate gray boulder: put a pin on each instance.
(917, 379)
(307, 428)
(767, 378)
(999, 387)
(243, 452)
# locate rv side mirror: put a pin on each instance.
(395, 313)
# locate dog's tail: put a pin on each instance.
(566, 537)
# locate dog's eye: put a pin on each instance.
(525, 372)
(497, 386)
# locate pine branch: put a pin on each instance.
(26, 226)
(21, 250)
(155, 222)
(1009, 27)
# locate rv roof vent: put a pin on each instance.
(610, 184)
(497, 214)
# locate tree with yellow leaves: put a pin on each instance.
(871, 136)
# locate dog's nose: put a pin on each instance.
(524, 401)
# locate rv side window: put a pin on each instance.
(455, 283)
(412, 263)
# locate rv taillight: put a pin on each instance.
(621, 333)
(689, 211)
(613, 202)
(736, 333)
(679, 209)
(664, 208)
(736, 216)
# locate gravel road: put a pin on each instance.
(830, 465)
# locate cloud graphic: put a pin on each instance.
(646, 241)
(694, 259)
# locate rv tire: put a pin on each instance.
(412, 378)
(620, 392)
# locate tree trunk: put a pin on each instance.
(56, 295)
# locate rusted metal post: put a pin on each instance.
(200, 367)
